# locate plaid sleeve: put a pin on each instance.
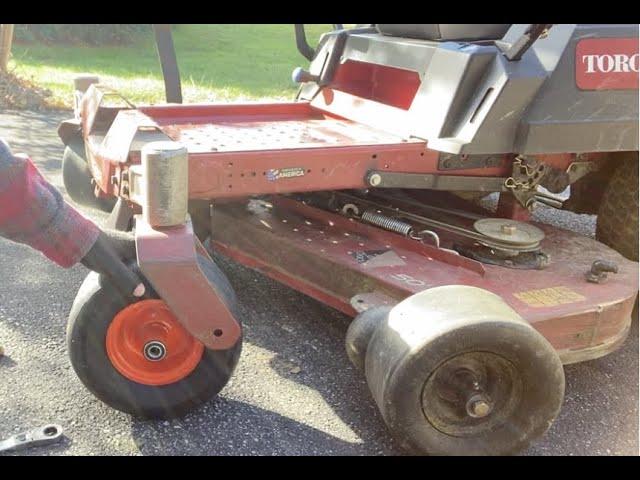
(33, 212)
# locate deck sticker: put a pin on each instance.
(378, 258)
(549, 297)
(408, 279)
(274, 174)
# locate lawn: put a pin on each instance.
(217, 63)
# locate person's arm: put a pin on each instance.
(34, 213)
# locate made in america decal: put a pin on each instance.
(274, 174)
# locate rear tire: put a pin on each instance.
(77, 178)
(95, 308)
(617, 224)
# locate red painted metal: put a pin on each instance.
(510, 207)
(380, 83)
(374, 114)
(319, 217)
(237, 150)
(168, 259)
(321, 254)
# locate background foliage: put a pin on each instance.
(218, 63)
(78, 33)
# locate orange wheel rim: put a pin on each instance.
(147, 344)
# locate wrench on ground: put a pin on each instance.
(37, 437)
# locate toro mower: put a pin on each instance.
(363, 193)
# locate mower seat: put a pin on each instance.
(443, 32)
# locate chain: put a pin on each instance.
(524, 170)
(524, 181)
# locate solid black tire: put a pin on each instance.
(361, 331)
(397, 374)
(200, 219)
(77, 178)
(94, 307)
(617, 223)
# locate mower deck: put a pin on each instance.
(236, 151)
(352, 266)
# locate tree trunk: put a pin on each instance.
(6, 39)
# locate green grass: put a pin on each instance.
(217, 63)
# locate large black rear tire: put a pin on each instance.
(617, 224)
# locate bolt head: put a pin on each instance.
(375, 180)
(508, 229)
(479, 406)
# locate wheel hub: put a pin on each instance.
(471, 393)
(147, 344)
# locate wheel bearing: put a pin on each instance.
(154, 351)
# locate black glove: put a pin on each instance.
(108, 256)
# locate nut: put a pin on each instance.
(509, 229)
(479, 406)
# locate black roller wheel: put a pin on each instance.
(77, 178)
(617, 224)
(455, 371)
(360, 332)
(200, 211)
(137, 358)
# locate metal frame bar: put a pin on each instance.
(168, 62)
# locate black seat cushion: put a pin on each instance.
(446, 31)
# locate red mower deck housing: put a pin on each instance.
(352, 267)
(240, 150)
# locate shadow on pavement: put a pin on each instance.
(261, 432)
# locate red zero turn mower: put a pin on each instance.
(360, 194)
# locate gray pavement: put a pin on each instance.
(294, 391)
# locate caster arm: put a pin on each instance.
(167, 249)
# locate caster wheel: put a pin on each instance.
(360, 332)
(455, 371)
(138, 358)
(77, 179)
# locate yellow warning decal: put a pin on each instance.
(549, 297)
